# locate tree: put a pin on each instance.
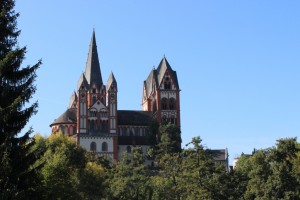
(191, 174)
(16, 89)
(170, 140)
(129, 178)
(68, 172)
(272, 173)
(282, 183)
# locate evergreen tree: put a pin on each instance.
(16, 89)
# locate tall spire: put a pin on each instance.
(92, 69)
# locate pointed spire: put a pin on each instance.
(73, 100)
(111, 81)
(82, 81)
(161, 70)
(92, 69)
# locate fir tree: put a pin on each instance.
(16, 89)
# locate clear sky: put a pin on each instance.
(238, 62)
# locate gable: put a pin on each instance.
(98, 106)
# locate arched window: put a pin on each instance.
(66, 131)
(172, 105)
(93, 146)
(93, 113)
(128, 149)
(61, 128)
(164, 104)
(104, 146)
(103, 113)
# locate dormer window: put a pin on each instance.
(94, 90)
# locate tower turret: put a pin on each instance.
(112, 91)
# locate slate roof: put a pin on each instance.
(82, 80)
(68, 117)
(150, 82)
(161, 70)
(111, 80)
(137, 118)
(92, 70)
(73, 99)
(156, 76)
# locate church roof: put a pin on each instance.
(73, 99)
(111, 80)
(150, 82)
(134, 118)
(92, 70)
(68, 117)
(82, 80)
(156, 76)
(161, 70)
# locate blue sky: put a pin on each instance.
(237, 62)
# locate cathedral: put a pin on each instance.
(96, 123)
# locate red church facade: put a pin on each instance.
(94, 120)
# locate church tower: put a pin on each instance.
(96, 108)
(161, 94)
(112, 97)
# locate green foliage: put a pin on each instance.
(191, 174)
(170, 139)
(152, 133)
(66, 171)
(129, 178)
(271, 172)
(17, 177)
